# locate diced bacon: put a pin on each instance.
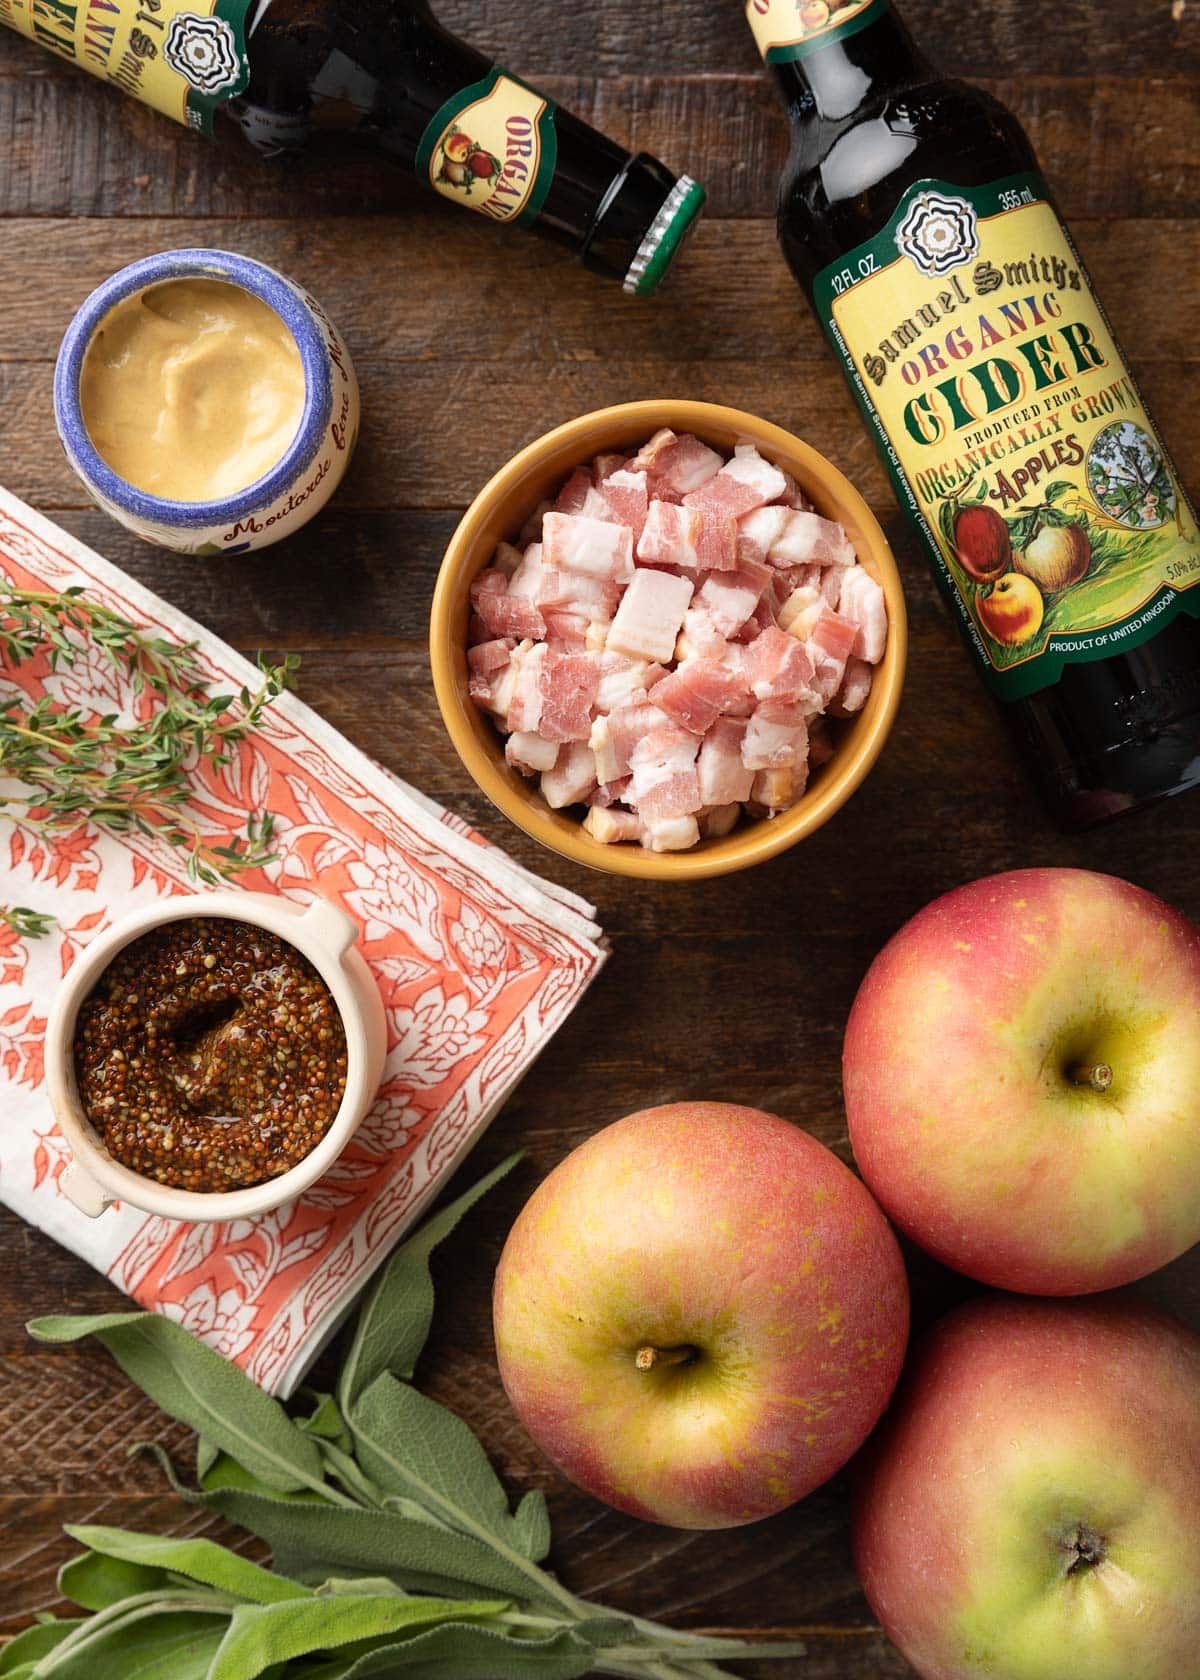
(487, 582)
(700, 638)
(855, 689)
(794, 496)
(531, 531)
(861, 601)
(573, 777)
(596, 638)
(729, 598)
(624, 681)
(605, 465)
(778, 667)
(719, 821)
(575, 492)
(650, 615)
(568, 683)
(820, 744)
(647, 457)
(671, 834)
(508, 615)
(486, 657)
(529, 753)
(609, 767)
(809, 540)
(595, 547)
(504, 683)
(697, 692)
(776, 738)
(506, 559)
(477, 631)
(801, 611)
(743, 484)
(664, 775)
(612, 827)
(757, 532)
(762, 618)
(749, 467)
(725, 498)
(832, 579)
(525, 706)
(623, 733)
(685, 464)
(627, 498)
(669, 536)
(526, 580)
(778, 790)
(480, 690)
(566, 632)
(830, 645)
(722, 775)
(717, 550)
(609, 793)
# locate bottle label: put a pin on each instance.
(790, 29)
(1015, 435)
(492, 147)
(182, 57)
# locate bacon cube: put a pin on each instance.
(671, 834)
(504, 614)
(486, 657)
(611, 827)
(778, 667)
(776, 738)
(664, 782)
(759, 531)
(685, 464)
(650, 615)
(830, 645)
(719, 821)
(723, 777)
(729, 598)
(861, 602)
(531, 754)
(595, 547)
(669, 536)
(807, 539)
(627, 497)
(568, 683)
(697, 693)
(573, 777)
(855, 690)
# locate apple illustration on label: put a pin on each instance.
(1013, 611)
(1058, 557)
(1022, 1081)
(700, 1314)
(1030, 1509)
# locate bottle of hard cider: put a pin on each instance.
(912, 212)
(382, 74)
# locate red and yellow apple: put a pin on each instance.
(1012, 611)
(1030, 1509)
(1022, 1081)
(700, 1314)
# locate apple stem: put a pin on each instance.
(649, 1357)
(1100, 1077)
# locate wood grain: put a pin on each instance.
(470, 341)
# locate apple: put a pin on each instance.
(1030, 1509)
(1058, 557)
(1022, 1080)
(982, 543)
(1012, 611)
(700, 1314)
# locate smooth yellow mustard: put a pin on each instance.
(192, 389)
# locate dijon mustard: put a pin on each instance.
(192, 389)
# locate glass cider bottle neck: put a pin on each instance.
(832, 82)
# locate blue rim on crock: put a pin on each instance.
(253, 277)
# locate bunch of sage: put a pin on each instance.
(395, 1549)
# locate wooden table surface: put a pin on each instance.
(469, 341)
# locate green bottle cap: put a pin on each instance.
(664, 236)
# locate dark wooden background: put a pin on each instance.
(470, 341)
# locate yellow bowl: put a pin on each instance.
(499, 511)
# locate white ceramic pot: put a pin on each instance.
(319, 931)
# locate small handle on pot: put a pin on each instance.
(330, 926)
(86, 1194)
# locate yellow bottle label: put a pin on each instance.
(183, 57)
(790, 29)
(492, 148)
(1015, 435)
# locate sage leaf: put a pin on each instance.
(35, 1643)
(463, 1652)
(310, 1542)
(95, 1582)
(393, 1322)
(327, 1423)
(150, 1642)
(200, 1560)
(412, 1446)
(194, 1384)
(260, 1636)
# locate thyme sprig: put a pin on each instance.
(74, 765)
(25, 923)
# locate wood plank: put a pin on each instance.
(1112, 145)
(445, 305)
(468, 420)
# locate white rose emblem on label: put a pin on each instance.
(204, 51)
(938, 233)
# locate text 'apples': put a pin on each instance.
(700, 1314)
(1022, 1079)
(1030, 1509)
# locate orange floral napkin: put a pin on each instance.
(478, 961)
